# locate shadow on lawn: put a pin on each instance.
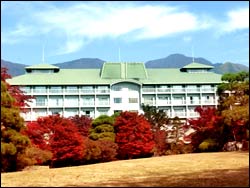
(209, 178)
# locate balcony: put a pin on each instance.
(148, 90)
(163, 90)
(193, 102)
(178, 102)
(102, 91)
(208, 90)
(179, 114)
(103, 103)
(87, 91)
(71, 91)
(151, 103)
(178, 90)
(163, 102)
(193, 114)
(55, 91)
(212, 102)
(193, 90)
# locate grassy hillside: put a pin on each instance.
(224, 169)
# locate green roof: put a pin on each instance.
(136, 70)
(42, 66)
(111, 73)
(195, 65)
(111, 70)
(123, 70)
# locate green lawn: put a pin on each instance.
(186, 170)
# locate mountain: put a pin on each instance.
(175, 61)
(171, 61)
(229, 67)
(180, 60)
(14, 69)
(90, 63)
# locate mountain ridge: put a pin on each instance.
(172, 61)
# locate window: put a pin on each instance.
(71, 89)
(87, 89)
(40, 89)
(26, 89)
(55, 89)
(103, 101)
(102, 89)
(117, 88)
(71, 101)
(133, 100)
(56, 100)
(117, 100)
(88, 100)
(41, 101)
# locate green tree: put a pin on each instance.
(158, 120)
(234, 103)
(103, 129)
(13, 143)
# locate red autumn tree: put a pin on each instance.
(208, 126)
(83, 124)
(133, 136)
(60, 136)
(67, 144)
(21, 100)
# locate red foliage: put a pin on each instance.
(160, 142)
(20, 98)
(208, 125)
(60, 136)
(67, 144)
(83, 124)
(208, 119)
(133, 136)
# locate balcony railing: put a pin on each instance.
(71, 91)
(207, 90)
(87, 91)
(163, 90)
(178, 90)
(152, 103)
(102, 91)
(193, 90)
(148, 90)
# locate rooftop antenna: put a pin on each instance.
(193, 53)
(119, 55)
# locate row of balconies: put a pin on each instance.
(107, 91)
(178, 90)
(179, 102)
(107, 103)
(34, 115)
(68, 91)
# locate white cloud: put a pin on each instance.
(238, 19)
(81, 22)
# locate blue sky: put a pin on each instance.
(142, 30)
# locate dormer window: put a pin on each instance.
(42, 68)
(196, 68)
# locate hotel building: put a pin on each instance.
(117, 87)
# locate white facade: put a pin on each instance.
(175, 100)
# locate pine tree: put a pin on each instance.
(13, 143)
